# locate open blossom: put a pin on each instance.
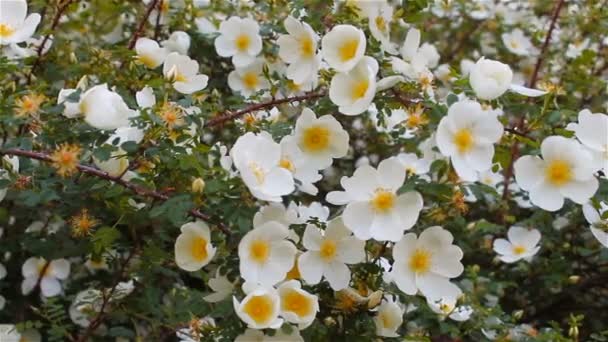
(343, 47)
(221, 286)
(373, 208)
(13, 166)
(328, 253)
(299, 50)
(599, 226)
(265, 254)
(516, 42)
(353, 91)
(248, 79)
(426, 263)
(260, 308)
(297, 306)
(240, 39)
(379, 17)
(49, 274)
(467, 135)
(179, 41)
(149, 53)
(257, 157)
(85, 307)
(298, 163)
(389, 318)
(592, 131)
(183, 73)
(15, 27)
(522, 244)
(565, 171)
(320, 139)
(446, 307)
(104, 109)
(193, 248)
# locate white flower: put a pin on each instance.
(427, 263)
(104, 109)
(179, 41)
(566, 170)
(467, 135)
(320, 139)
(248, 79)
(13, 163)
(592, 131)
(183, 73)
(221, 286)
(576, 49)
(240, 39)
(328, 253)
(343, 47)
(379, 18)
(260, 308)
(265, 254)
(257, 158)
(14, 26)
(314, 209)
(2, 271)
(353, 91)
(193, 248)
(414, 165)
(389, 318)
(490, 79)
(298, 163)
(149, 53)
(49, 274)
(85, 306)
(299, 50)
(599, 227)
(12, 335)
(516, 42)
(252, 335)
(297, 306)
(145, 98)
(446, 306)
(275, 212)
(522, 244)
(373, 208)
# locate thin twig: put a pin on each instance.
(142, 24)
(104, 175)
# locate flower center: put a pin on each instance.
(414, 120)
(6, 31)
(348, 49)
(380, 23)
(179, 77)
(198, 248)
(420, 261)
(250, 79)
(558, 172)
(287, 164)
(257, 172)
(445, 308)
(315, 138)
(259, 308)
(519, 249)
(328, 250)
(359, 89)
(463, 139)
(514, 44)
(387, 320)
(242, 42)
(383, 200)
(147, 60)
(259, 251)
(306, 47)
(296, 302)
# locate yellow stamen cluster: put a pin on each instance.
(29, 104)
(171, 115)
(65, 159)
(82, 223)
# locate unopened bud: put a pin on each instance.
(573, 279)
(198, 185)
(518, 314)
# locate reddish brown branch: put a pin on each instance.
(142, 23)
(259, 106)
(141, 191)
(541, 57)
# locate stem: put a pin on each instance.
(142, 24)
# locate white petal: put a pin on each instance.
(310, 266)
(338, 275)
(50, 286)
(527, 91)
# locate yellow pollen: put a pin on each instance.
(82, 223)
(383, 200)
(558, 172)
(257, 172)
(387, 321)
(420, 261)
(250, 79)
(348, 50)
(514, 44)
(463, 139)
(519, 249)
(179, 77)
(446, 308)
(359, 89)
(381, 23)
(296, 302)
(65, 159)
(315, 139)
(328, 250)
(259, 251)
(306, 47)
(198, 249)
(6, 31)
(259, 308)
(287, 164)
(242, 42)
(415, 120)
(148, 61)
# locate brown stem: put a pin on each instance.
(541, 58)
(142, 24)
(104, 175)
(259, 106)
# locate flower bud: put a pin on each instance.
(198, 185)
